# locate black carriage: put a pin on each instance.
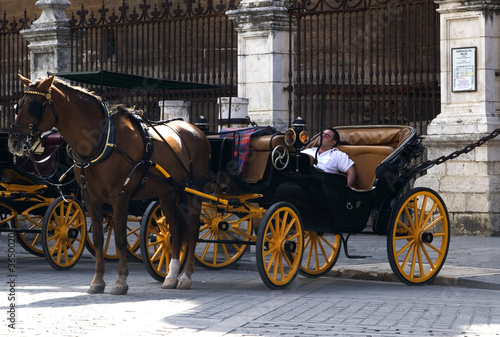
(264, 192)
(39, 209)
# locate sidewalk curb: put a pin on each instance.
(345, 272)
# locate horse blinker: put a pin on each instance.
(36, 108)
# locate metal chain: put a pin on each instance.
(466, 149)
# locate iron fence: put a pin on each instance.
(191, 41)
(365, 62)
(14, 59)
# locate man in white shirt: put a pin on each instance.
(331, 159)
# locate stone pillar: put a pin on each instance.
(469, 184)
(239, 112)
(263, 59)
(49, 38)
(174, 109)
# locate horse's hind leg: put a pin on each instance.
(193, 229)
(97, 285)
(169, 208)
(120, 215)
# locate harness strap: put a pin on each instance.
(189, 173)
(146, 160)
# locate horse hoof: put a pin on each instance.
(184, 283)
(119, 289)
(96, 288)
(169, 283)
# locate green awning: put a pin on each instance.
(120, 80)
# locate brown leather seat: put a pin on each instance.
(260, 149)
(366, 158)
(368, 147)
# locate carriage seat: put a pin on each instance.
(368, 147)
(260, 149)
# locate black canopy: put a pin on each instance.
(120, 80)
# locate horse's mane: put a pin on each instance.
(121, 108)
(67, 85)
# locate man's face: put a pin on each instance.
(327, 138)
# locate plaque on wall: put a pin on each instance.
(463, 62)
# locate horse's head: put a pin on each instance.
(32, 118)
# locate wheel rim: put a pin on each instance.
(30, 219)
(320, 253)
(7, 214)
(158, 246)
(64, 234)
(280, 247)
(419, 237)
(221, 226)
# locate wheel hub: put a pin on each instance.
(289, 246)
(72, 233)
(223, 226)
(427, 237)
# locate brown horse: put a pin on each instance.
(110, 150)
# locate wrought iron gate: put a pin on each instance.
(190, 41)
(13, 60)
(365, 62)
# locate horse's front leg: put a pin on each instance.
(97, 285)
(120, 215)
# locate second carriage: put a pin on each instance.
(38, 211)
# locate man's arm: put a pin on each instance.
(351, 176)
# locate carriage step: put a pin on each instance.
(346, 251)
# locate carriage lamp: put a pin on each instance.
(202, 123)
(296, 135)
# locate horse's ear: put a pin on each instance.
(26, 81)
(46, 84)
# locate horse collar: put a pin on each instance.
(106, 139)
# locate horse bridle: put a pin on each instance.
(35, 109)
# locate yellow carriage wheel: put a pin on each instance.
(109, 247)
(156, 245)
(279, 245)
(64, 231)
(418, 237)
(219, 228)
(31, 220)
(321, 252)
(7, 215)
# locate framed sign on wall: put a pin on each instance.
(463, 61)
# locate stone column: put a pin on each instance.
(263, 59)
(49, 38)
(174, 109)
(239, 112)
(469, 184)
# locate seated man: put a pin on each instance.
(330, 159)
